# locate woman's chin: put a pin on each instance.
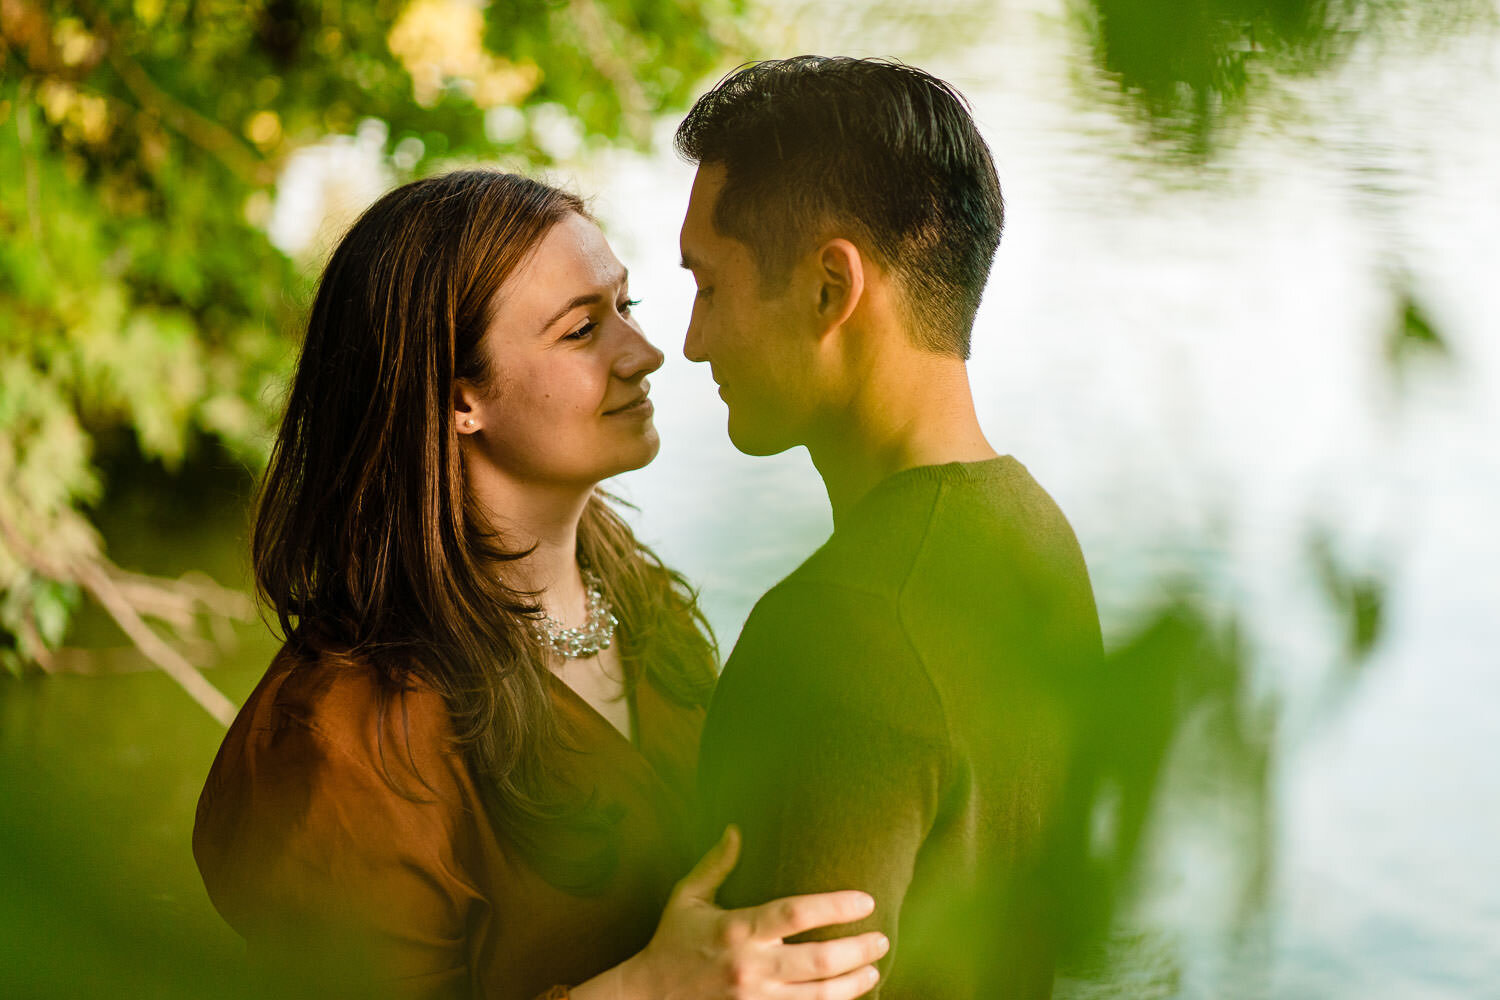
(650, 446)
(639, 454)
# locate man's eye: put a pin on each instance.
(583, 332)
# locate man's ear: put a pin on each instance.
(465, 407)
(841, 282)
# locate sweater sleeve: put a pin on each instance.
(331, 874)
(826, 745)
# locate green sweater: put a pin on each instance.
(895, 718)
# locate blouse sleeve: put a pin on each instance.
(330, 873)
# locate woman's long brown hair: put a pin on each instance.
(367, 544)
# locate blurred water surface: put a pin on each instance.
(1204, 359)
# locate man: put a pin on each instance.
(896, 716)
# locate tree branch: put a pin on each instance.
(92, 577)
(93, 573)
(203, 132)
(29, 158)
(593, 25)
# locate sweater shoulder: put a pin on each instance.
(992, 513)
(346, 703)
(313, 719)
(831, 652)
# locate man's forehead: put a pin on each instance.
(698, 230)
(707, 183)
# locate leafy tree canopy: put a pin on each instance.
(140, 146)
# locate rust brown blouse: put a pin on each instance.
(305, 846)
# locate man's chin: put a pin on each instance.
(758, 441)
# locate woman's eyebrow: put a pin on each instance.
(587, 299)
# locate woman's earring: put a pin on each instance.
(468, 421)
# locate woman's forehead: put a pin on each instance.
(571, 261)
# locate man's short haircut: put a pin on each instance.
(881, 151)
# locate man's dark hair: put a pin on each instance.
(813, 143)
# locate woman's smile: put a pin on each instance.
(640, 407)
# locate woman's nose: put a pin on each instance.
(639, 356)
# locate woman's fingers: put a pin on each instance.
(845, 987)
(713, 868)
(697, 944)
(790, 915)
(815, 960)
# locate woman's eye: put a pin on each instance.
(582, 332)
(628, 305)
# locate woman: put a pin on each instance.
(439, 788)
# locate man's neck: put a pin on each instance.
(905, 413)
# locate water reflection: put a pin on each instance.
(1194, 69)
(1255, 360)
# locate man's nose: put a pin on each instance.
(692, 344)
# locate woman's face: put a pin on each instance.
(568, 405)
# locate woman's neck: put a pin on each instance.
(544, 518)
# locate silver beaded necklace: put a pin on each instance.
(595, 635)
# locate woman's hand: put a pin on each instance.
(700, 952)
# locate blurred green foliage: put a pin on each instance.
(140, 144)
(1179, 730)
(1358, 598)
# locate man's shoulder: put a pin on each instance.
(839, 615)
(991, 513)
(1009, 507)
(830, 649)
(823, 581)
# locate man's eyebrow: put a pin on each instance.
(586, 299)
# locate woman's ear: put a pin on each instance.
(841, 282)
(465, 408)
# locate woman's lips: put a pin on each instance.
(641, 407)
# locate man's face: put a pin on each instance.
(759, 346)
